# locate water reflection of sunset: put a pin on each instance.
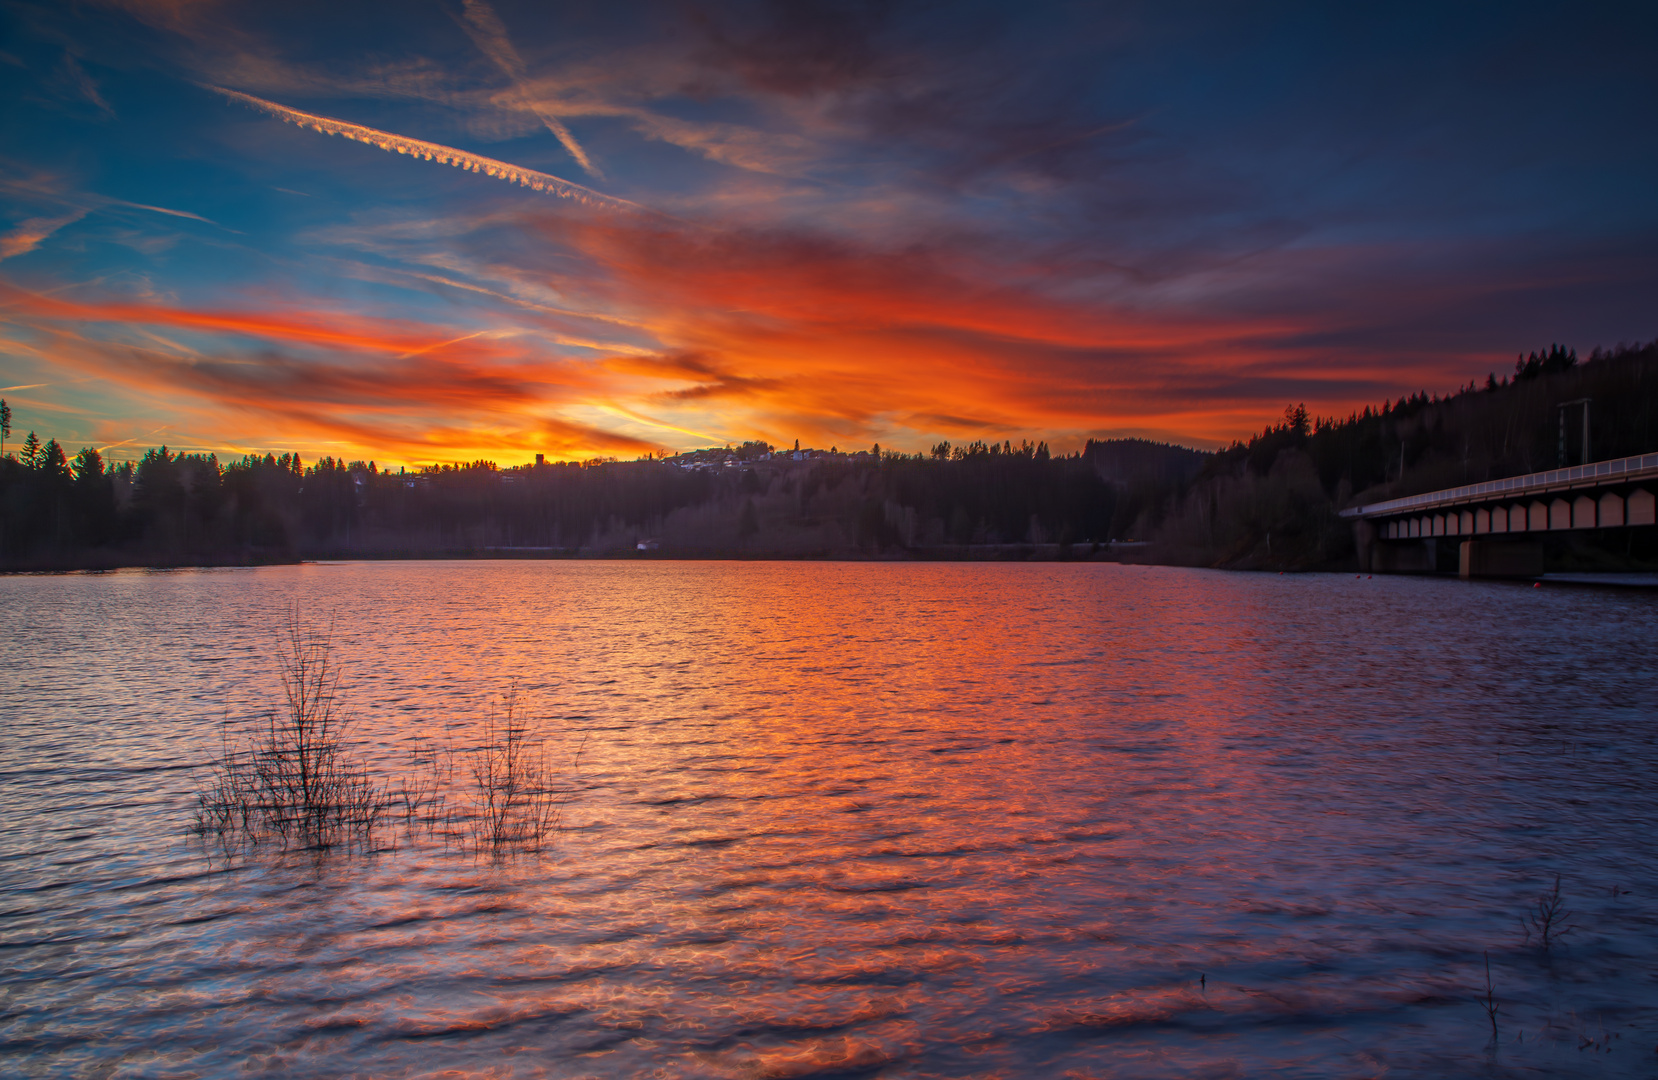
(834, 817)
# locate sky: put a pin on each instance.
(444, 230)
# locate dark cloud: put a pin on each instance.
(956, 423)
(712, 382)
(796, 47)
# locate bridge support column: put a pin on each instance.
(1500, 559)
(1364, 540)
(1638, 508)
(1407, 557)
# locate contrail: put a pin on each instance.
(446, 155)
(83, 203)
(134, 439)
(164, 210)
(440, 345)
(643, 419)
(488, 33)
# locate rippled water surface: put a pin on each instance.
(852, 820)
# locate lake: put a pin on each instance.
(849, 820)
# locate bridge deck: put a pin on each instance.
(1596, 474)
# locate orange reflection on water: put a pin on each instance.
(836, 819)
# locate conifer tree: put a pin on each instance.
(53, 462)
(89, 465)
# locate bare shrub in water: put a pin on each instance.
(294, 782)
(1548, 918)
(515, 801)
(423, 791)
(225, 801)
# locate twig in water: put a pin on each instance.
(1489, 1001)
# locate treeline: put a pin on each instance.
(1273, 501)
(173, 509)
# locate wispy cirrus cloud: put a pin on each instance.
(76, 75)
(487, 32)
(27, 235)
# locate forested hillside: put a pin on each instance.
(1272, 501)
(170, 509)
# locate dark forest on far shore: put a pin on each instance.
(1269, 502)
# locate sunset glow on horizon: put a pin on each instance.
(457, 231)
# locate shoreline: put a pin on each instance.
(1563, 569)
(1633, 578)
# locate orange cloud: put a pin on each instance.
(838, 342)
(745, 333)
(373, 388)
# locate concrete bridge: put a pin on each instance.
(1499, 523)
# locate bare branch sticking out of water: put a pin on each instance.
(1489, 1001)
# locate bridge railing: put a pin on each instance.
(1595, 473)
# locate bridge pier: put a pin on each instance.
(1641, 509)
(1500, 559)
(1364, 544)
(1412, 557)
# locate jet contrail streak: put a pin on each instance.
(488, 33)
(135, 438)
(643, 419)
(164, 210)
(446, 155)
(439, 345)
